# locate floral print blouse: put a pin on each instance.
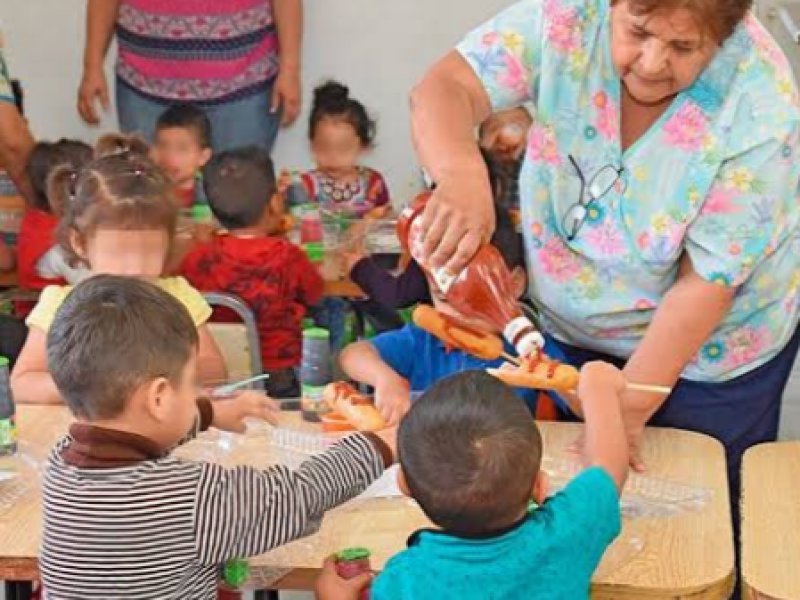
(714, 180)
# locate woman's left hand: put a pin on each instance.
(637, 409)
(286, 95)
(636, 412)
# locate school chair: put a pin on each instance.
(238, 342)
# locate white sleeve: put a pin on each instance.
(54, 265)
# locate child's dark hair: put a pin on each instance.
(122, 190)
(240, 184)
(506, 238)
(470, 453)
(45, 157)
(187, 116)
(112, 335)
(332, 100)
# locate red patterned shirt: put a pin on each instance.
(273, 276)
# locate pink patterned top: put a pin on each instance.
(203, 51)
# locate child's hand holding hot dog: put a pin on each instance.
(392, 397)
(392, 394)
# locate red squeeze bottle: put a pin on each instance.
(484, 289)
(351, 563)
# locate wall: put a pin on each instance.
(378, 47)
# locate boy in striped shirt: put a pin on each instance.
(122, 517)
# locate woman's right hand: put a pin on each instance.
(458, 218)
(94, 88)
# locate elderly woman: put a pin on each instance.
(659, 195)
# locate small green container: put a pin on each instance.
(236, 572)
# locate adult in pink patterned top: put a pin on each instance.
(239, 60)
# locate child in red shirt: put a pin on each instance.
(255, 262)
(37, 231)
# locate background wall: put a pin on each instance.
(377, 47)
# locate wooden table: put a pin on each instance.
(771, 522)
(689, 555)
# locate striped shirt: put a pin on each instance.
(160, 528)
(202, 51)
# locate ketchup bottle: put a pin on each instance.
(484, 289)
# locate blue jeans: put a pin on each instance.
(246, 122)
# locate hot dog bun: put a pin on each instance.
(457, 335)
(353, 406)
(539, 374)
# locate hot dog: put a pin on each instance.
(457, 335)
(353, 406)
(538, 372)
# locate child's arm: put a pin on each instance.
(363, 363)
(394, 292)
(606, 442)
(244, 511)
(210, 362)
(31, 382)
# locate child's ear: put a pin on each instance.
(158, 398)
(277, 204)
(519, 278)
(205, 156)
(541, 488)
(402, 483)
(78, 244)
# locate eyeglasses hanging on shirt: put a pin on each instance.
(592, 191)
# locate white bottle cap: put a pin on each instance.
(522, 333)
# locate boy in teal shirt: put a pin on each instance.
(470, 455)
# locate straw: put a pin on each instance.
(227, 390)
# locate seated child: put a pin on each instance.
(119, 220)
(411, 360)
(471, 455)
(41, 260)
(182, 148)
(255, 262)
(123, 354)
(341, 132)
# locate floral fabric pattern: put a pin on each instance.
(6, 93)
(715, 180)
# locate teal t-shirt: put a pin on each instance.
(551, 555)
